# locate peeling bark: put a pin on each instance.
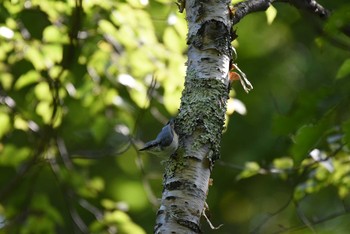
(201, 117)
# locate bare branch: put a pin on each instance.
(303, 218)
(242, 9)
(258, 228)
(311, 6)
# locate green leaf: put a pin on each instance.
(34, 55)
(109, 204)
(131, 192)
(304, 188)
(5, 125)
(20, 123)
(28, 78)
(53, 34)
(53, 54)
(344, 69)
(117, 218)
(307, 138)
(13, 155)
(251, 169)
(172, 40)
(6, 80)
(271, 13)
(44, 109)
(42, 92)
(283, 163)
(92, 187)
(40, 18)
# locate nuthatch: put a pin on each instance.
(165, 144)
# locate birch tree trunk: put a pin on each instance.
(201, 117)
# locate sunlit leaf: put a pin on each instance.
(130, 192)
(44, 109)
(27, 79)
(172, 40)
(271, 13)
(322, 174)
(53, 54)
(35, 57)
(119, 219)
(138, 3)
(142, 62)
(108, 204)
(42, 92)
(53, 34)
(107, 27)
(283, 163)
(92, 187)
(250, 169)
(6, 80)
(5, 125)
(12, 155)
(181, 25)
(96, 62)
(20, 123)
(236, 105)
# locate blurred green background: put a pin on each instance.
(84, 83)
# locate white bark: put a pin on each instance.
(201, 117)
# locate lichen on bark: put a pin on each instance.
(201, 117)
(207, 116)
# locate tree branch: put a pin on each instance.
(310, 6)
(200, 121)
(314, 223)
(241, 9)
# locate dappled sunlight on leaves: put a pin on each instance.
(84, 83)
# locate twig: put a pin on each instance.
(322, 220)
(206, 207)
(303, 218)
(61, 145)
(310, 6)
(271, 215)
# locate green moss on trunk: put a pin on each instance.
(203, 108)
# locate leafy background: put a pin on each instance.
(84, 83)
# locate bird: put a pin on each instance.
(166, 142)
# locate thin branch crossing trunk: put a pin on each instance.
(201, 117)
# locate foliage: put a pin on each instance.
(75, 81)
(82, 82)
